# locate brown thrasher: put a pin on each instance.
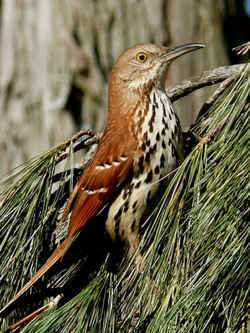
(142, 143)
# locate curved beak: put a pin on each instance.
(175, 52)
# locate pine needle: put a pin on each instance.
(195, 245)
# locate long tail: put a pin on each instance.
(55, 256)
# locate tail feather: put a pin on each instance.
(55, 256)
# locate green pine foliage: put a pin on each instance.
(195, 246)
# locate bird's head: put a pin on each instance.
(143, 65)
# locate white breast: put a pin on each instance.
(156, 128)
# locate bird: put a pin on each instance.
(141, 143)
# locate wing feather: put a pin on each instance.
(94, 189)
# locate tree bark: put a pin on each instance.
(55, 58)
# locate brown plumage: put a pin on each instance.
(141, 144)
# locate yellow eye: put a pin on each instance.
(141, 57)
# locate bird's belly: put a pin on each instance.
(157, 160)
(126, 211)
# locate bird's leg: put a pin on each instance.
(139, 261)
(134, 252)
(198, 137)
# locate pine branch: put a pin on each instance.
(242, 49)
(207, 78)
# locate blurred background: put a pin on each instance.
(56, 56)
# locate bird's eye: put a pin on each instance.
(141, 57)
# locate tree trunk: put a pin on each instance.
(55, 58)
